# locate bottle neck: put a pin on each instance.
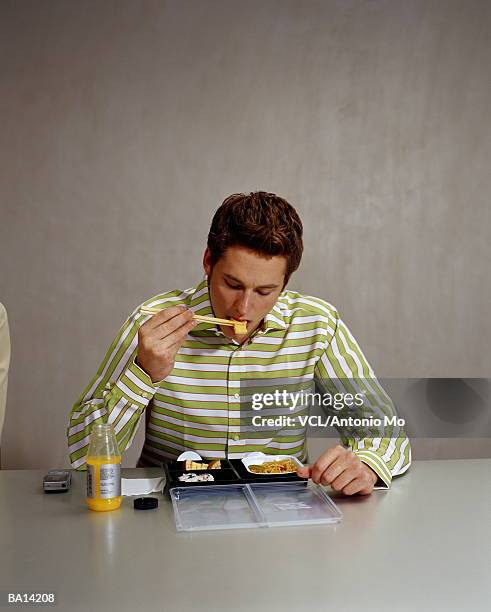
(103, 442)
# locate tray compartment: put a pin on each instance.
(295, 504)
(246, 476)
(219, 507)
(175, 469)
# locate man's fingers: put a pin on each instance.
(344, 479)
(356, 479)
(168, 327)
(163, 351)
(334, 471)
(324, 461)
(176, 337)
(304, 472)
(166, 314)
(342, 469)
(357, 486)
(160, 338)
(165, 329)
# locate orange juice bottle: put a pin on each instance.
(103, 470)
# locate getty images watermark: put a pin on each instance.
(295, 401)
(364, 406)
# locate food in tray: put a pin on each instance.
(284, 466)
(214, 464)
(196, 478)
(194, 465)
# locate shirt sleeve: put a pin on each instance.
(118, 394)
(342, 368)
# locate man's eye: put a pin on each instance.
(232, 286)
(265, 293)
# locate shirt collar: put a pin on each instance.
(275, 318)
(200, 303)
(200, 299)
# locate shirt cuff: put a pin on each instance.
(136, 385)
(377, 464)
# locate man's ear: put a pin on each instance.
(207, 261)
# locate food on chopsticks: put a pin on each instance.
(240, 327)
(188, 477)
(214, 464)
(284, 466)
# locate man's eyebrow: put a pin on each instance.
(237, 280)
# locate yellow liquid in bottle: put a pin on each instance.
(96, 502)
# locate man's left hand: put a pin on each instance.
(343, 470)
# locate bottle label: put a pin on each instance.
(109, 480)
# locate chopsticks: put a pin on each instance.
(240, 327)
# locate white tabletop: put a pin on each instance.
(425, 544)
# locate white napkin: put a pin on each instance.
(141, 486)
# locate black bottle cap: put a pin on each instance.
(145, 503)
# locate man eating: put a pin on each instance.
(186, 375)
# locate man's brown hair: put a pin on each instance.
(260, 221)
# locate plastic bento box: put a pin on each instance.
(190, 470)
(238, 498)
(242, 506)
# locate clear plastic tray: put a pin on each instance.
(243, 506)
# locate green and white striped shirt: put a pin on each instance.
(196, 406)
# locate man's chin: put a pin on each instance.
(230, 333)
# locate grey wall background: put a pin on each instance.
(124, 125)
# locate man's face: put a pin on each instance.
(244, 286)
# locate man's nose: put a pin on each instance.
(243, 303)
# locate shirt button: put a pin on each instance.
(235, 437)
(237, 395)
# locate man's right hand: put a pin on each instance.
(160, 338)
